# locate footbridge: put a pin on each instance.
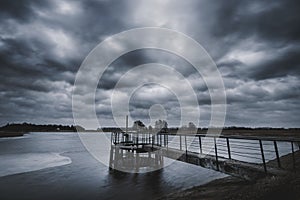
(248, 157)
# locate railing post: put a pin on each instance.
(111, 138)
(277, 154)
(228, 148)
(167, 140)
(293, 154)
(216, 152)
(180, 142)
(200, 144)
(142, 138)
(126, 122)
(185, 144)
(160, 140)
(262, 155)
(152, 140)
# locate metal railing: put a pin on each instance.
(251, 149)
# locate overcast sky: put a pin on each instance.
(255, 45)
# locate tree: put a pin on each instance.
(161, 125)
(192, 125)
(138, 125)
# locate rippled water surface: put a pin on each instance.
(57, 166)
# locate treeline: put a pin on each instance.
(199, 130)
(27, 127)
(110, 129)
(257, 128)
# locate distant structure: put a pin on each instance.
(161, 125)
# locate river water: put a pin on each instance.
(57, 166)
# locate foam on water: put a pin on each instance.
(27, 162)
(14, 138)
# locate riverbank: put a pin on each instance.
(263, 132)
(272, 187)
(11, 134)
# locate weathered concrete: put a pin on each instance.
(248, 171)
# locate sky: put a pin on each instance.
(255, 45)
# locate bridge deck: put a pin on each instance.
(248, 171)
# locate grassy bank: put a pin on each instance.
(272, 187)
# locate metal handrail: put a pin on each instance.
(229, 145)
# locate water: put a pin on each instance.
(57, 166)
(27, 162)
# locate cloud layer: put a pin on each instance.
(255, 45)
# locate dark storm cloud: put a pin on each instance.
(22, 10)
(22, 69)
(280, 65)
(140, 107)
(254, 43)
(139, 57)
(269, 20)
(271, 26)
(42, 45)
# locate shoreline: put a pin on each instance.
(259, 132)
(7, 134)
(285, 186)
